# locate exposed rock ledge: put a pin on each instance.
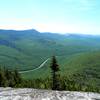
(34, 94)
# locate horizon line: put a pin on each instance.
(62, 33)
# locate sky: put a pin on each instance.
(58, 16)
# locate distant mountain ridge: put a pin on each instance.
(26, 50)
(25, 45)
(34, 30)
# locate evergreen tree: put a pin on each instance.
(55, 75)
(17, 77)
(3, 80)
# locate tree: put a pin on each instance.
(2, 79)
(17, 77)
(55, 75)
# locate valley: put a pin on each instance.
(30, 52)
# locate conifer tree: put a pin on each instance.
(55, 75)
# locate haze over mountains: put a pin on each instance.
(21, 47)
(28, 49)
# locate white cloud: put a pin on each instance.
(67, 28)
(57, 27)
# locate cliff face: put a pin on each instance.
(34, 94)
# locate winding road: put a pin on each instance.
(41, 65)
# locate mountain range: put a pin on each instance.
(27, 49)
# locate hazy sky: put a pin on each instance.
(63, 16)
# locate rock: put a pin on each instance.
(35, 94)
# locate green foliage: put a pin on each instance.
(25, 50)
(69, 83)
(82, 68)
(78, 63)
(66, 83)
(19, 48)
(9, 78)
(54, 72)
(54, 66)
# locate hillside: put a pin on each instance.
(83, 62)
(27, 49)
(83, 68)
(30, 53)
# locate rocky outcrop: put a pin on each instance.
(35, 94)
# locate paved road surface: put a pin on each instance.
(36, 68)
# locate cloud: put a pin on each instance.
(58, 27)
(67, 28)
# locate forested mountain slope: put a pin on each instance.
(27, 49)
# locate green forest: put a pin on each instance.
(78, 57)
(75, 82)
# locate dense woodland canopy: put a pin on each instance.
(75, 82)
(77, 55)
